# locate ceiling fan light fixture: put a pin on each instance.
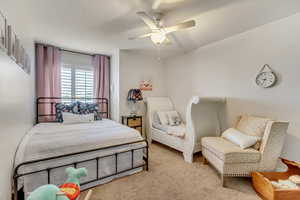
(158, 38)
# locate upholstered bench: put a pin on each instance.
(231, 160)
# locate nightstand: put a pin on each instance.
(135, 122)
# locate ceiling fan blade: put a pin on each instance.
(141, 36)
(180, 26)
(156, 4)
(148, 20)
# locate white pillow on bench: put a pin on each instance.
(163, 118)
(253, 126)
(171, 118)
(174, 118)
(239, 138)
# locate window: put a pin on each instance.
(77, 76)
(76, 81)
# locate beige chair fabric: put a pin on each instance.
(231, 160)
(229, 152)
(251, 125)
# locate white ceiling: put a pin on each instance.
(102, 25)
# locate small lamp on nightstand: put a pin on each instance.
(134, 95)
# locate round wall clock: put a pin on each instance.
(266, 77)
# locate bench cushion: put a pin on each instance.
(229, 152)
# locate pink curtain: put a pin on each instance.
(47, 74)
(101, 78)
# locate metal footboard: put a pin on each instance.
(145, 165)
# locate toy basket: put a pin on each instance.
(264, 188)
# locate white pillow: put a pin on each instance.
(163, 118)
(71, 118)
(239, 138)
(174, 118)
(155, 118)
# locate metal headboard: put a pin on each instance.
(49, 103)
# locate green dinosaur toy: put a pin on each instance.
(68, 191)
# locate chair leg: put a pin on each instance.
(188, 157)
(205, 162)
(223, 180)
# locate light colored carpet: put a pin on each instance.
(170, 178)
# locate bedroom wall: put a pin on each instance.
(16, 95)
(229, 67)
(135, 67)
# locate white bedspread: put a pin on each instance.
(54, 139)
(178, 131)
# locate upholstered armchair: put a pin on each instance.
(232, 161)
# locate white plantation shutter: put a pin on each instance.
(77, 76)
(66, 82)
(76, 82)
(84, 80)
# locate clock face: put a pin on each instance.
(266, 79)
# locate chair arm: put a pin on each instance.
(272, 143)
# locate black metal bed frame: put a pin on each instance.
(51, 100)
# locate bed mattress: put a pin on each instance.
(178, 131)
(55, 139)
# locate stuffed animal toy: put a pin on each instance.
(70, 190)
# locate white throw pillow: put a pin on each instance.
(71, 118)
(174, 118)
(163, 118)
(155, 118)
(239, 138)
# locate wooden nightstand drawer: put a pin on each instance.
(134, 122)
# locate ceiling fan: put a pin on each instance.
(159, 33)
(156, 4)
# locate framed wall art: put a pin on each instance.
(3, 32)
(146, 85)
(13, 44)
(27, 64)
(21, 57)
(10, 43)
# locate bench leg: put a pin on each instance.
(223, 180)
(205, 162)
(188, 157)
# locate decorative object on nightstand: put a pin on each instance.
(135, 122)
(134, 95)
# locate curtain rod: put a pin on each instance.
(72, 51)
